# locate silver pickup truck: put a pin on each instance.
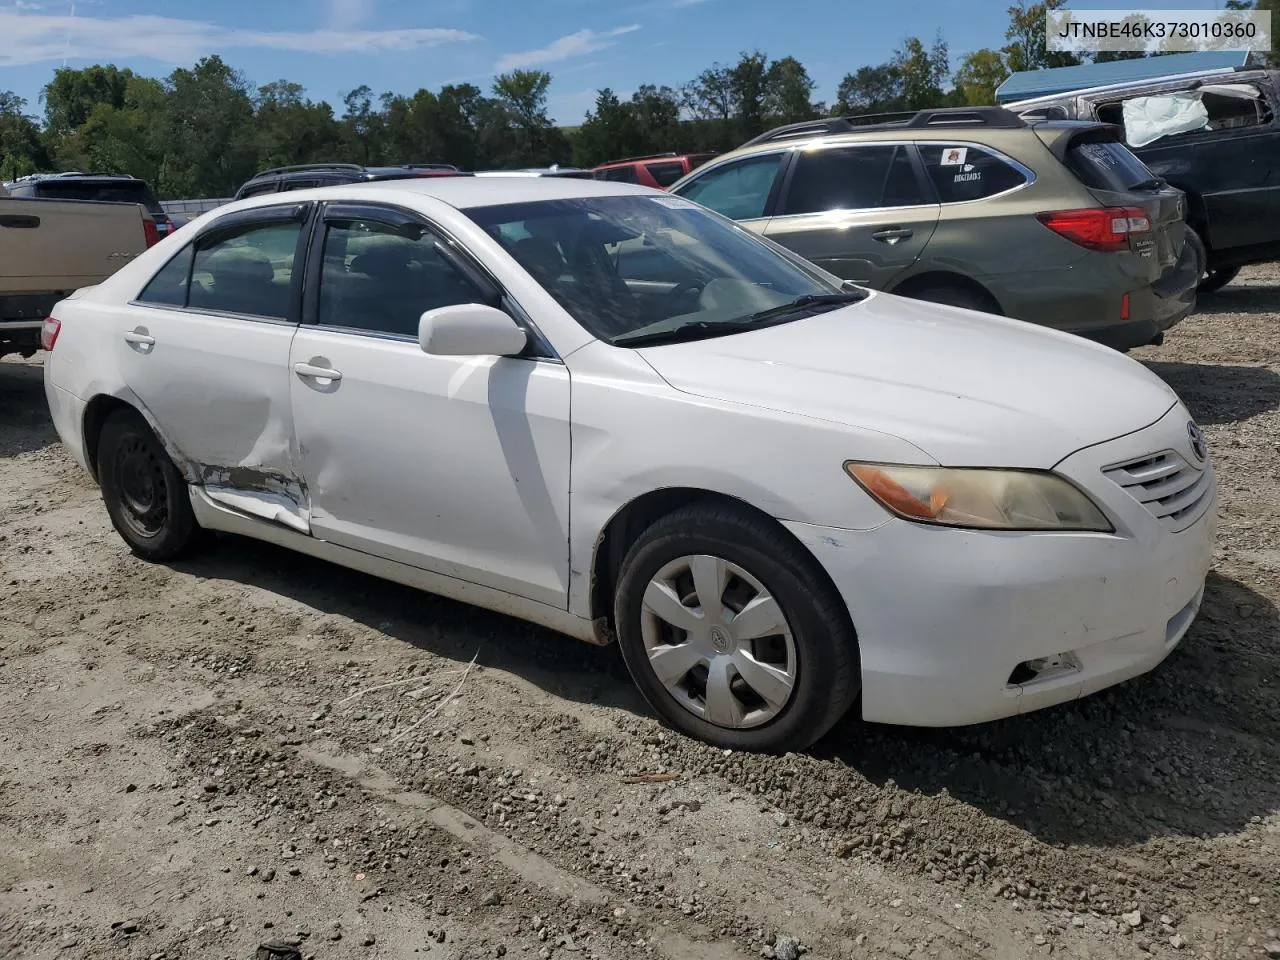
(50, 248)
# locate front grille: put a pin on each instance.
(1175, 492)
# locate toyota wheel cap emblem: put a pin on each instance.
(1196, 438)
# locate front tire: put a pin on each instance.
(146, 497)
(732, 631)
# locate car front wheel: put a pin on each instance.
(732, 631)
(145, 495)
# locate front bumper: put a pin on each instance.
(946, 616)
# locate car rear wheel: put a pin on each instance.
(145, 495)
(732, 631)
(956, 296)
(1215, 280)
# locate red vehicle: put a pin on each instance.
(659, 170)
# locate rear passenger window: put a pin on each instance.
(665, 173)
(852, 178)
(963, 173)
(169, 286)
(249, 272)
(381, 278)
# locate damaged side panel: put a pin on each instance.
(216, 391)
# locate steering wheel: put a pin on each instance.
(686, 288)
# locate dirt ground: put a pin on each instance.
(252, 746)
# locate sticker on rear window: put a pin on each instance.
(954, 156)
(676, 203)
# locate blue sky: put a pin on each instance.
(331, 46)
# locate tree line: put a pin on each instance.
(202, 131)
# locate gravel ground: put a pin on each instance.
(254, 746)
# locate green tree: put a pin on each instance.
(610, 131)
(72, 95)
(710, 96)
(980, 73)
(922, 72)
(1027, 47)
(875, 89)
(21, 150)
(789, 92)
(362, 127)
(208, 131)
(129, 138)
(749, 91)
(290, 128)
(519, 112)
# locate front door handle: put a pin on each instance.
(314, 372)
(892, 235)
(139, 338)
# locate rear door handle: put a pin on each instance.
(316, 373)
(892, 235)
(139, 337)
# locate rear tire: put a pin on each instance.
(956, 296)
(1215, 280)
(146, 497)
(778, 680)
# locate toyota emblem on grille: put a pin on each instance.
(1197, 441)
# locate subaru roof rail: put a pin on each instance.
(418, 166)
(995, 117)
(309, 166)
(647, 156)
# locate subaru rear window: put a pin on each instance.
(961, 172)
(1107, 165)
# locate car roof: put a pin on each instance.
(468, 192)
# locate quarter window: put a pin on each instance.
(625, 174)
(382, 278)
(666, 173)
(169, 286)
(738, 190)
(249, 272)
(962, 172)
(853, 178)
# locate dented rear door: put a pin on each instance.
(205, 348)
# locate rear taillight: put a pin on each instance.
(151, 231)
(49, 331)
(1098, 228)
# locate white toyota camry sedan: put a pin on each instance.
(609, 411)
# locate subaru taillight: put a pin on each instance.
(49, 331)
(1098, 228)
(151, 231)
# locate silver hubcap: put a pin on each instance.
(718, 641)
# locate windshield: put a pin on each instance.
(632, 269)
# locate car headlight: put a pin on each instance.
(979, 498)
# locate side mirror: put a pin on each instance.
(470, 330)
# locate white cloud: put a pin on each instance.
(573, 45)
(344, 14)
(34, 38)
(27, 5)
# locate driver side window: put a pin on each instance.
(382, 278)
(738, 190)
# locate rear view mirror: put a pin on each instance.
(470, 330)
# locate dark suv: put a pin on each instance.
(93, 186)
(1216, 136)
(308, 175)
